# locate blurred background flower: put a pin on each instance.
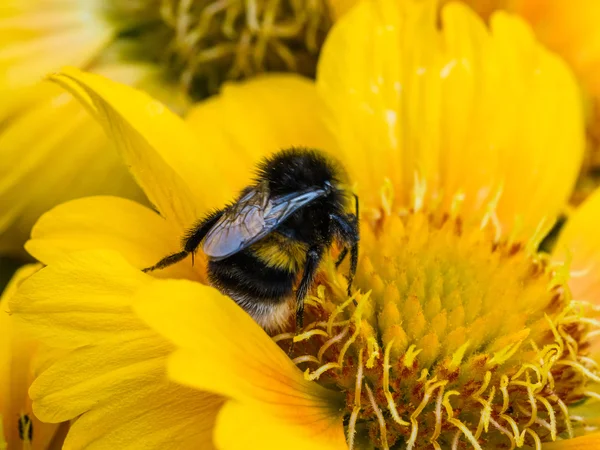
(178, 50)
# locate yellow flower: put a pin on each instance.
(19, 428)
(178, 51)
(464, 144)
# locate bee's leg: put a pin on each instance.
(313, 258)
(167, 261)
(346, 228)
(341, 257)
(190, 242)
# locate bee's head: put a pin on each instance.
(299, 169)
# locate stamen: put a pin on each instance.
(386, 385)
(438, 418)
(565, 412)
(591, 394)
(551, 414)
(580, 369)
(536, 438)
(380, 419)
(462, 427)
(430, 387)
(504, 390)
(337, 338)
(486, 412)
(505, 432)
(307, 335)
(311, 376)
(357, 402)
(305, 358)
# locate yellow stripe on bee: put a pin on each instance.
(280, 252)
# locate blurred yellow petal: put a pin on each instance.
(37, 37)
(570, 28)
(579, 246)
(222, 350)
(109, 223)
(248, 121)
(588, 442)
(18, 349)
(64, 159)
(457, 111)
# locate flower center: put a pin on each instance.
(204, 42)
(451, 340)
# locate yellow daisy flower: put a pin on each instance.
(179, 51)
(464, 144)
(19, 428)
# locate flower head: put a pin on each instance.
(459, 332)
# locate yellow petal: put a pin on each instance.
(173, 168)
(460, 110)
(161, 416)
(588, 442)
(34, 146)
(87, 295)
(253, 119)
(38, 37)
(17, 353)
(241, 427)
(579, 246)
(570, 28)
(111, 223)
(222, 350)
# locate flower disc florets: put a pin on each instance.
(451, 340)
(204, 42)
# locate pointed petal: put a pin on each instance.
(111, 223)
(82, 299)
(458, 110)
(250, 120)
(222, 350)
(166, 159)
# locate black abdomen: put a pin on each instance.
(244, 277)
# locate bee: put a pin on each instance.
(275, 234)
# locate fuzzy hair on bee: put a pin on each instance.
(270, 241)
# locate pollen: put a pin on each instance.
(452, 339)
(205, 42)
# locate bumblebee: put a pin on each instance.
(275, 235)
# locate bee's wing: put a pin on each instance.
(251, 218)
